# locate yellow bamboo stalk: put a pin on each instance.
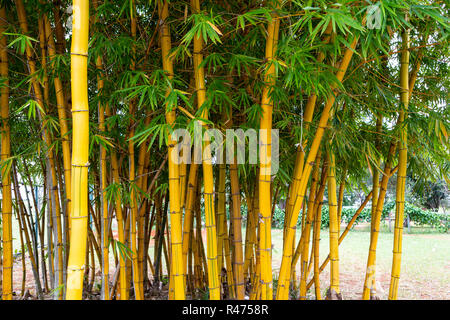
(42, 44)
(255, 294)
(143, 160)
(375, 186)
(283, 282)
(248, 257)
(316, 247)
(7, 283)
(223, 247)
(334, 291)
(412, 77)
(375, 225)
(307, 118)
(183, 180)
(188, 200)
(265, 156)
(80, 161)
(21, 14)
(341, 197)
(201, 249)
(120, 221)
(402, 166)
(189, 213)
(177, 265)
(213, 272)
(103, 185)
(47, 37)
(254, 237)
(344, 233)
(228, 256)
(23, 219)
(220, 213)
(414, 72)
(236, 218)
(143, 218)
(62, 117)
(137, 281)
(238, 263)
(103, 182)
(57, 218)
(304, 240)
(376, 173)
(318, 203)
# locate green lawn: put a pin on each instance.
(425, 272)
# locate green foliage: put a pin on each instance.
(428, 217)
(417, 215)
(234, 37)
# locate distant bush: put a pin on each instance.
(428, 217)
(417, 215)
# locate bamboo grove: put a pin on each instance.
(91, 92)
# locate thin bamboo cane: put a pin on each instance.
(370, 272)
(92, 267)
(341, 197)
(287, 250)
(375, 187)
(248, 249)
(142, 179)
(188, 199)
(21, 216)
(190, 267)
(318, 203)
(7, 250)
(227, 247)
(22, 253)
(105, 221)
(411, 82)
(40, 228)
(178, 267)
(344, 233)
(213, 272)
(21, 13)
(59, 29)
(402, 166)
(318, 199)
(220, 213)
(144, 226)
(137, 281)
(80, 161)
(265, 156)
(189, 213)
(160, 226)
(307, 118)
(236, 218)
(103, 184)
(50, 245)
(316, 247)
(95, 246)
(305, 239)
(120, 221)
(334, 291)
(42, 44)
(252, 220)
(255, 294)
(238, 263)
(62, 117)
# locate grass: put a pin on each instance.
(425, 262)
(425, 272)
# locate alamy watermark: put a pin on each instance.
(216, 147)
